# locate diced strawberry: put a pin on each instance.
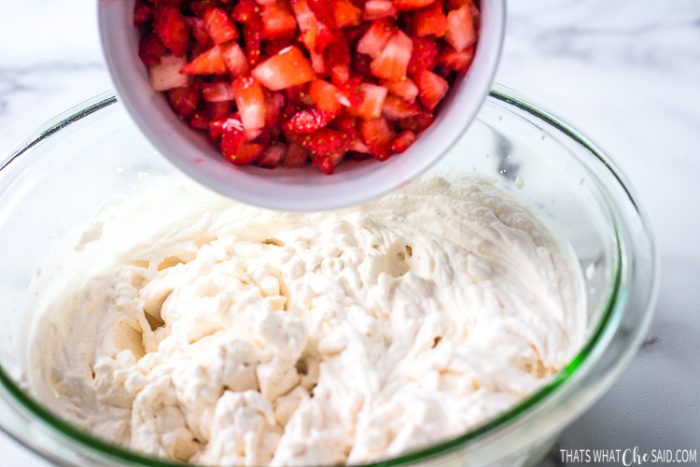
(392, 61)
(246, 11)
(247, 153)
(377, 134)
(199, 121)
(315, 34)
(219, 26)
(234, 58)
(278, 21)
(298, 95)
(457, 61)
(373, 97)
(215, 129)
(218, 110)
(432, 89)
(217, 92)
(396, 108)
(307, 121)
(288, 68)
(346, 124)
(375, 39)
(323, 10)
(328, 163)
(150, 50)
(358, 146)
(250, 100)
(171, 28)
(412, 4)
(425, 51)
(431, 21)
(337, 60)
(232, 136)
(274, 103)
(345, 13)
(418, 123)
(351, 94)
(166, 74)
(142, 12)
(252, 35)
(273, 155)
(318, 63)
(184, 101)
(297, 156)
(361, 65)
(377, 9)
(325, 96)
(325, 142)
(405, 89)
(403, 141)
(460, 32)
(199, 31)
(208, 63)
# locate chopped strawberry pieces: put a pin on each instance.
(286, 69)
(293, 82)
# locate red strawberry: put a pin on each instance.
(208, 63)
(351, 94)
(392, 61)
(288, 68)
(361, 65)
(432, 89)
(325, 96)
(345, 13)
(217, 110)
(215, 129)
(199, 121)
(460, 32)
(166, 74)
(403, 141)
(171, 28)
(142, 12)
(377, 134)
(307, 121)
(412, 4)
(234, 58)
(219, 26)
(245, 11)
(247, 153)
(252, 34)
(337, 60)
(377, 9)
(325, 142)
(273, 155)
(296, 156)
(458, 61)
(376, 38)
(150, 50)
(405, 89)
(323, 11)
(418, 123)
(346, 124)
(431, 21)
(274, 103)
(250, 101)
(327, 164)
(199, 31)
(372, 101)
(217, 92)
(318, 63)
(396, 108)
(425, 51)
(315, 34)
(298, 95)
(278, 21)
(184, 100)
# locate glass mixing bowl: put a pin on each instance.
(58, 178)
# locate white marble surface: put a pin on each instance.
(625, 72)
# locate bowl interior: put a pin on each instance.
(62, 180)
(291, 189)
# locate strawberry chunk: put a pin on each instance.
(199, 31)
(425, 52)
(417, 123)
(376, 38)
(325, 96)
(346, 14)
(219, 26)
(274, 103)
(234, 58)
(166, 74)
(431, 21)
(198, 120)
(288, 68)
(323, 11)
(273, 156)
(324, 143)
(278, 21)
(307, 121)
(208, 63)
(396, 108)
(297, 156)
(412, 4)
(373, 97)
(377, 134)
(245, 11)
(217, 110)
(217, 92)
(184, 101)
(405, 89)
(250, 100)
(252, 35)
(392, 61)
(150, 50)
(432, 89)
(315, 34)
(171, 28)
(454, 60)
(403, 142)
(247, 153)
(378, 9)
(337, 60)
(460, 32)
(142, 12)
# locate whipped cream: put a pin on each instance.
(183, 325)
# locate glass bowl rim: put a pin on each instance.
(604, 328)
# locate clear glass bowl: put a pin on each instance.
(58, 178)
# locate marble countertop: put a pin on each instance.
(624, 72)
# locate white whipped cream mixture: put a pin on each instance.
(184, 325)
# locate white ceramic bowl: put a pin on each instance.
(291, 189)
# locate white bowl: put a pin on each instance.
(291, 189)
